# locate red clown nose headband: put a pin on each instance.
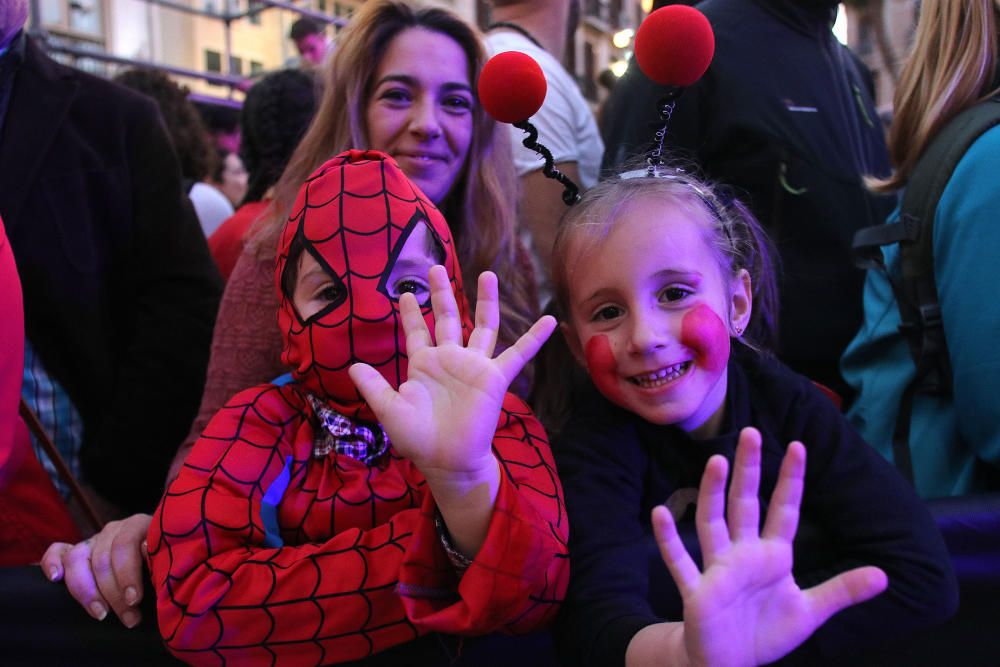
(356, 216)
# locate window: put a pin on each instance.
(213, 61)
(253, 5)
(256, 68)
(235, 65)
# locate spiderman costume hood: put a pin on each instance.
(354, 216)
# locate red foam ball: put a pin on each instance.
(674, 45)
(512, 87)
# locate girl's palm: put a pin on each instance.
(444, 416)
(745, 608)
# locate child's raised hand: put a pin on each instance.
(444, 416)
(745, 608)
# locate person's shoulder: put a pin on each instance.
(90, 90)
(972, 191)
(499, 41)
(771, 381)
(273, 403)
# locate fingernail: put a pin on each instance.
(130, 619)
(53, 573)
(97, 610)
(131, 595)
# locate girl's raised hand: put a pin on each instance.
(444, 416)
(745, 608)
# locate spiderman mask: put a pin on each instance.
(359, 236)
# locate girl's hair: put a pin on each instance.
(184, 124)
(276, 113)
(952, 66)
(734, 233)
(479, 206)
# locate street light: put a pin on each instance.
(623, 38)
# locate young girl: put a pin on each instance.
(668, 296)
(332, 517)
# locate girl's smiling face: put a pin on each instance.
(651, 312)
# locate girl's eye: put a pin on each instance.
(675, 294)
(606, 313)
(417, 288)
(329, 293)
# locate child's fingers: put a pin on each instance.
(513, 359)
(713, 535)
(783, 513)
(447, 323)
(682, 568)
(414, 325)
(484, 336)
(744, 508)
(373, 388)
(844, 590)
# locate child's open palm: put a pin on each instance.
(745, 608)
(444, 416)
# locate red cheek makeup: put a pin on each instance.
(707, 336)
(602, 367)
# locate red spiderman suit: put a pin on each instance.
(296, 534)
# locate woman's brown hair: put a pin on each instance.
(480, 206)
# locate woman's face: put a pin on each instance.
(420, 109)
(234, 179)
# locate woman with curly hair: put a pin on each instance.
(190, 139)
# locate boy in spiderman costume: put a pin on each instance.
(390, 489)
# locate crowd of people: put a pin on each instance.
(297, 378)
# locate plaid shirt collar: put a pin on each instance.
(366, 442)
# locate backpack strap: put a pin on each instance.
(916, 291)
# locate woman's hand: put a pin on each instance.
(104, 571)
(745, 608)
(444, 416)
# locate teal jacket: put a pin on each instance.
(955, 440)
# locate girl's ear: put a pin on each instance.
(573, 342)
(740, 303)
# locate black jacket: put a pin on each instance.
(856, 510)
(784, 114)
(120, 292)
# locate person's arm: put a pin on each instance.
(743, 607)
(603, 469)
(246, 344)
(966, 247)
(867, 515)
(226, 581)
(167, 295)
(484, 457)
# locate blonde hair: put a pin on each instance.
(952, 67)
(478, 208)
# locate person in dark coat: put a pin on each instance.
(785, 116)
(120, 292)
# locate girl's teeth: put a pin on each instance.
(662, 376)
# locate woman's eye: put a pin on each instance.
(458, 103)
(396, 95)
(607, 313)
(674, 294)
